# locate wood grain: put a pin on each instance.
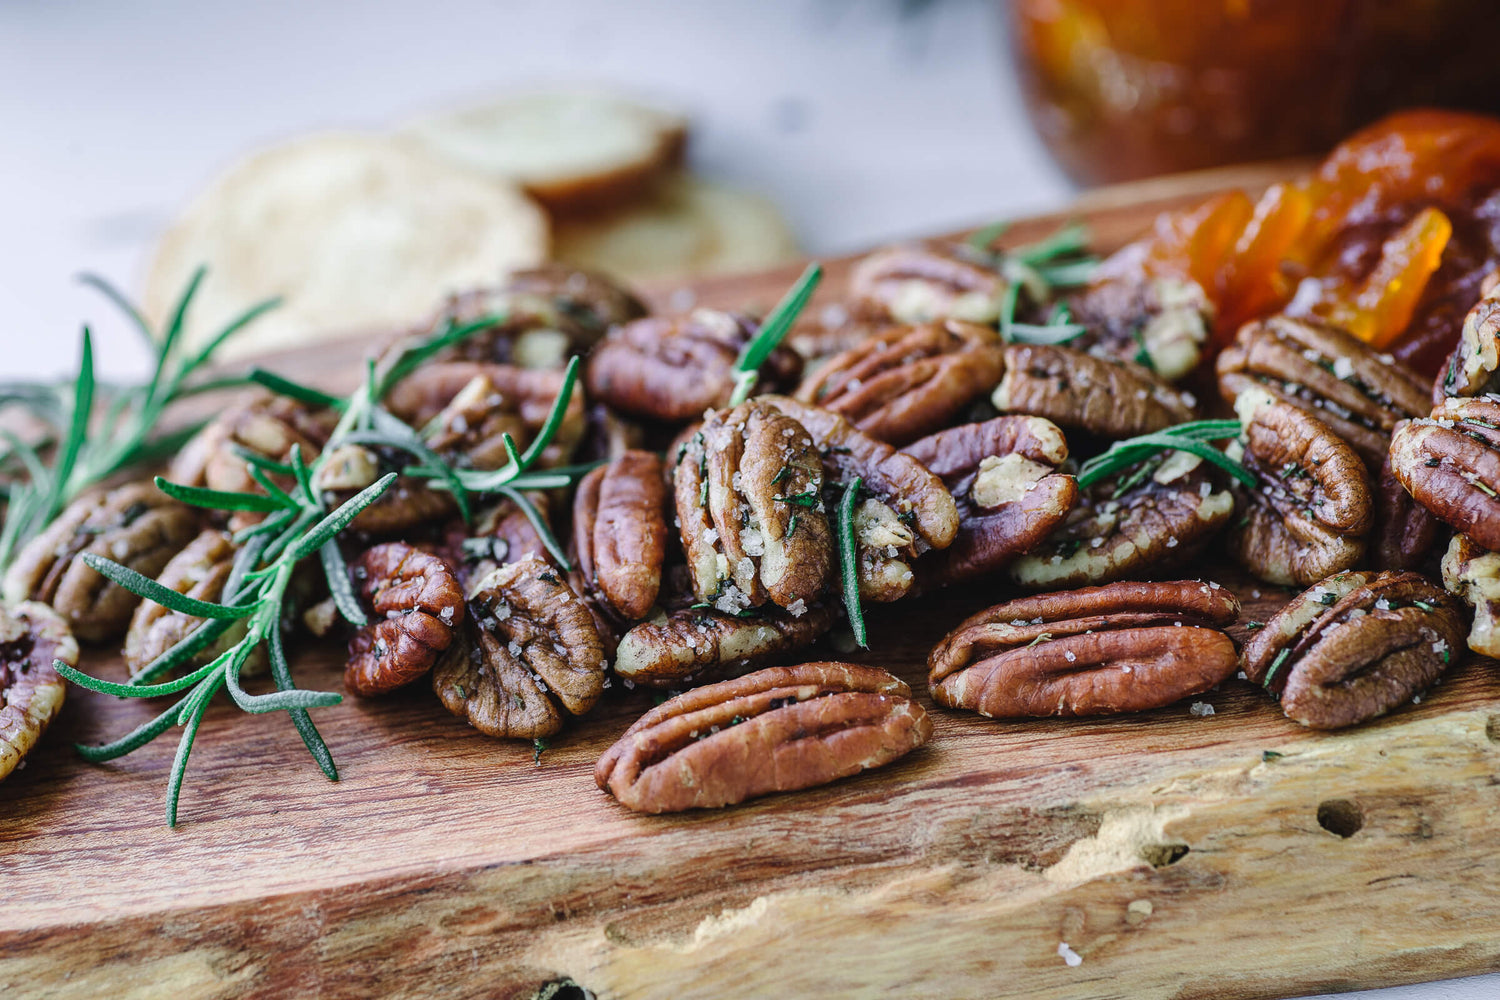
(1177, 855)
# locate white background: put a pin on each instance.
(863, 120)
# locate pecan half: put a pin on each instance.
(1148, 519)
(1406, 534)
(199, 571)
(1451, 464)
(926, 282)
(1473, 573)
(1161, 323)
(672, 368)
(1338, 378)
(417, 604)
(1114, 399)
(136, 525)
(32, 636)
(1355, 646)
(749, 493)
(1003, 477)
(533, 655)
(776, 730)
(909, 380)
(1472, 368)
(501, 533)
(1125, 647)
(620, 531)
(681, 647)
(1308, 515)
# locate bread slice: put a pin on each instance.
(687, 226)
(354, 232)
(572, 152)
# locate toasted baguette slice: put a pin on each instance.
(572, 152)
(688, 226)
(354, 232)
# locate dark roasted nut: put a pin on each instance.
(199, 571)
(135, 525)
(682, 647)
(1338, 378)
(1003, 477)
(417, 604)
(921, 283)
(607, 435)
(1406, 534)
(1355, 646)
(1451, 464)
(749, 494)
(620, 531)
(501, 533)
(908, 510)
(1115, 399)
(673, 368)
(1474, 367)
(1473, 573)
(32, 636)
(1312, 507)
(1125, 647)
(776, 730)
(1149, 519)
(1162, 323)
(909, 380)
(533, 655)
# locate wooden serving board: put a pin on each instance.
(1232, 855)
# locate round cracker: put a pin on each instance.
(354, 232)
(687, 227)
(573, 152)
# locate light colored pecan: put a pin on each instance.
(1075, 390)
(776, 730)
(926, 282)
(1451, 464)
(32, 636)
(1473, 573)
(749, 496)
(200, 571)
(1473, 366)
(1003, 477)
(682, 647)
(1311, 508)
(909, 380)
(620, 531)
(1148, 519)
(1124, 647)
(672, 368)
(135, 525)
(1339, 379)
(1161, 322)
(1355, 646)
(533, 655)
(417, 604)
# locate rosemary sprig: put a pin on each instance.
(849, 562)
(772, 331)
(90, 447)
(1041, 269)
(1191, 437)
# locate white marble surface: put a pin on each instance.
(864, 120)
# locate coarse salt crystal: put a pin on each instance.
(1068, 955)
(1201, 708)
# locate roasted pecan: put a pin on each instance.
(907, 511)
(1355, 646)
(1161, 323)
(620, 531)
(1003, 477)
(417, 604)
(1473, 573)
(607, 435)
(199, 571)
(1472, 368)
(924, 282)
(776, 730)
(501, 533)
(1124, 647)
(135, 525)
(682, 647)
(1406, 534)
(1338, 378)
(1451, 464)
(1115, 399)
(32, 636)
(533, 654)
(1148, 519)
(672, 368)
(749, 492)
(1311, 508)
(909, 380)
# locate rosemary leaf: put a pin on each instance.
(133, 740)
(194, 707)
(773, 330)
(337, 573)
(293, 390)
(849, 562)
(197, 496)
(338, 519)
(281, 673)
(138, 583)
